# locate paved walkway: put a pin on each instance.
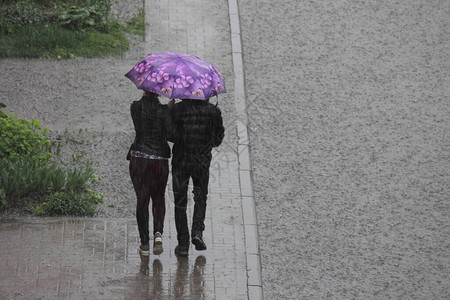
(93, 258)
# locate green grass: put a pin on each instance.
(68, 204)
(63, 29)
(54, 41)
(48, 189)
(136, 25)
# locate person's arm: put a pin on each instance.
(219, 130)
(170, 123)
(133, 114)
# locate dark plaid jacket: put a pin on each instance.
(197, 128)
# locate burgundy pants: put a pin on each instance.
(149, 178)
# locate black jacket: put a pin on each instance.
(197, 128)
(151, 121)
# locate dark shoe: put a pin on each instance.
(200, 261)
(181, 250)
(197, 240)
(144, 265)
(157, 268)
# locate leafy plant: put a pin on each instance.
(2, 198)
(24, 12)
(22, 137)
(83, 15)
(136, 25)
(26, 172)
(2, 114)
(74, 17)
(68, 203)
(78, 177)
(50, 189)
(25, 176)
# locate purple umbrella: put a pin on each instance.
(176, 75)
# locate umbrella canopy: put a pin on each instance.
(176, 75)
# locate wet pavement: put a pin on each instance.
(84, 258)
(96, 258)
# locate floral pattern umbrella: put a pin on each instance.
(176, 75)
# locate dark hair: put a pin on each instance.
(150, 94)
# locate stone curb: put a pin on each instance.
(254, 282)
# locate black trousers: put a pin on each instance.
(149, 178)
(180, 182)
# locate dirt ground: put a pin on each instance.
(348, 102)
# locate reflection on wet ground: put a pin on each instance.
(188, 281)
(97, 259)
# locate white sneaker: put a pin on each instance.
(144, 250)
(157, 244)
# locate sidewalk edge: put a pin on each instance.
(254, 280)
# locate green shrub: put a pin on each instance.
(136, 25)
(27, 174)
(2, 114)
(6, 27)
(24, 176)
(51, 189)
(24, 12)
(20, 137)
(78, 177)
(74, 15)
(3, 202)
(81, 17)
(68, 203)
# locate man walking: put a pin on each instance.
(198, 127)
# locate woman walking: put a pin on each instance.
(149, 168)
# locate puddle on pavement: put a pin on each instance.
(158, 279)
(75, 258)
